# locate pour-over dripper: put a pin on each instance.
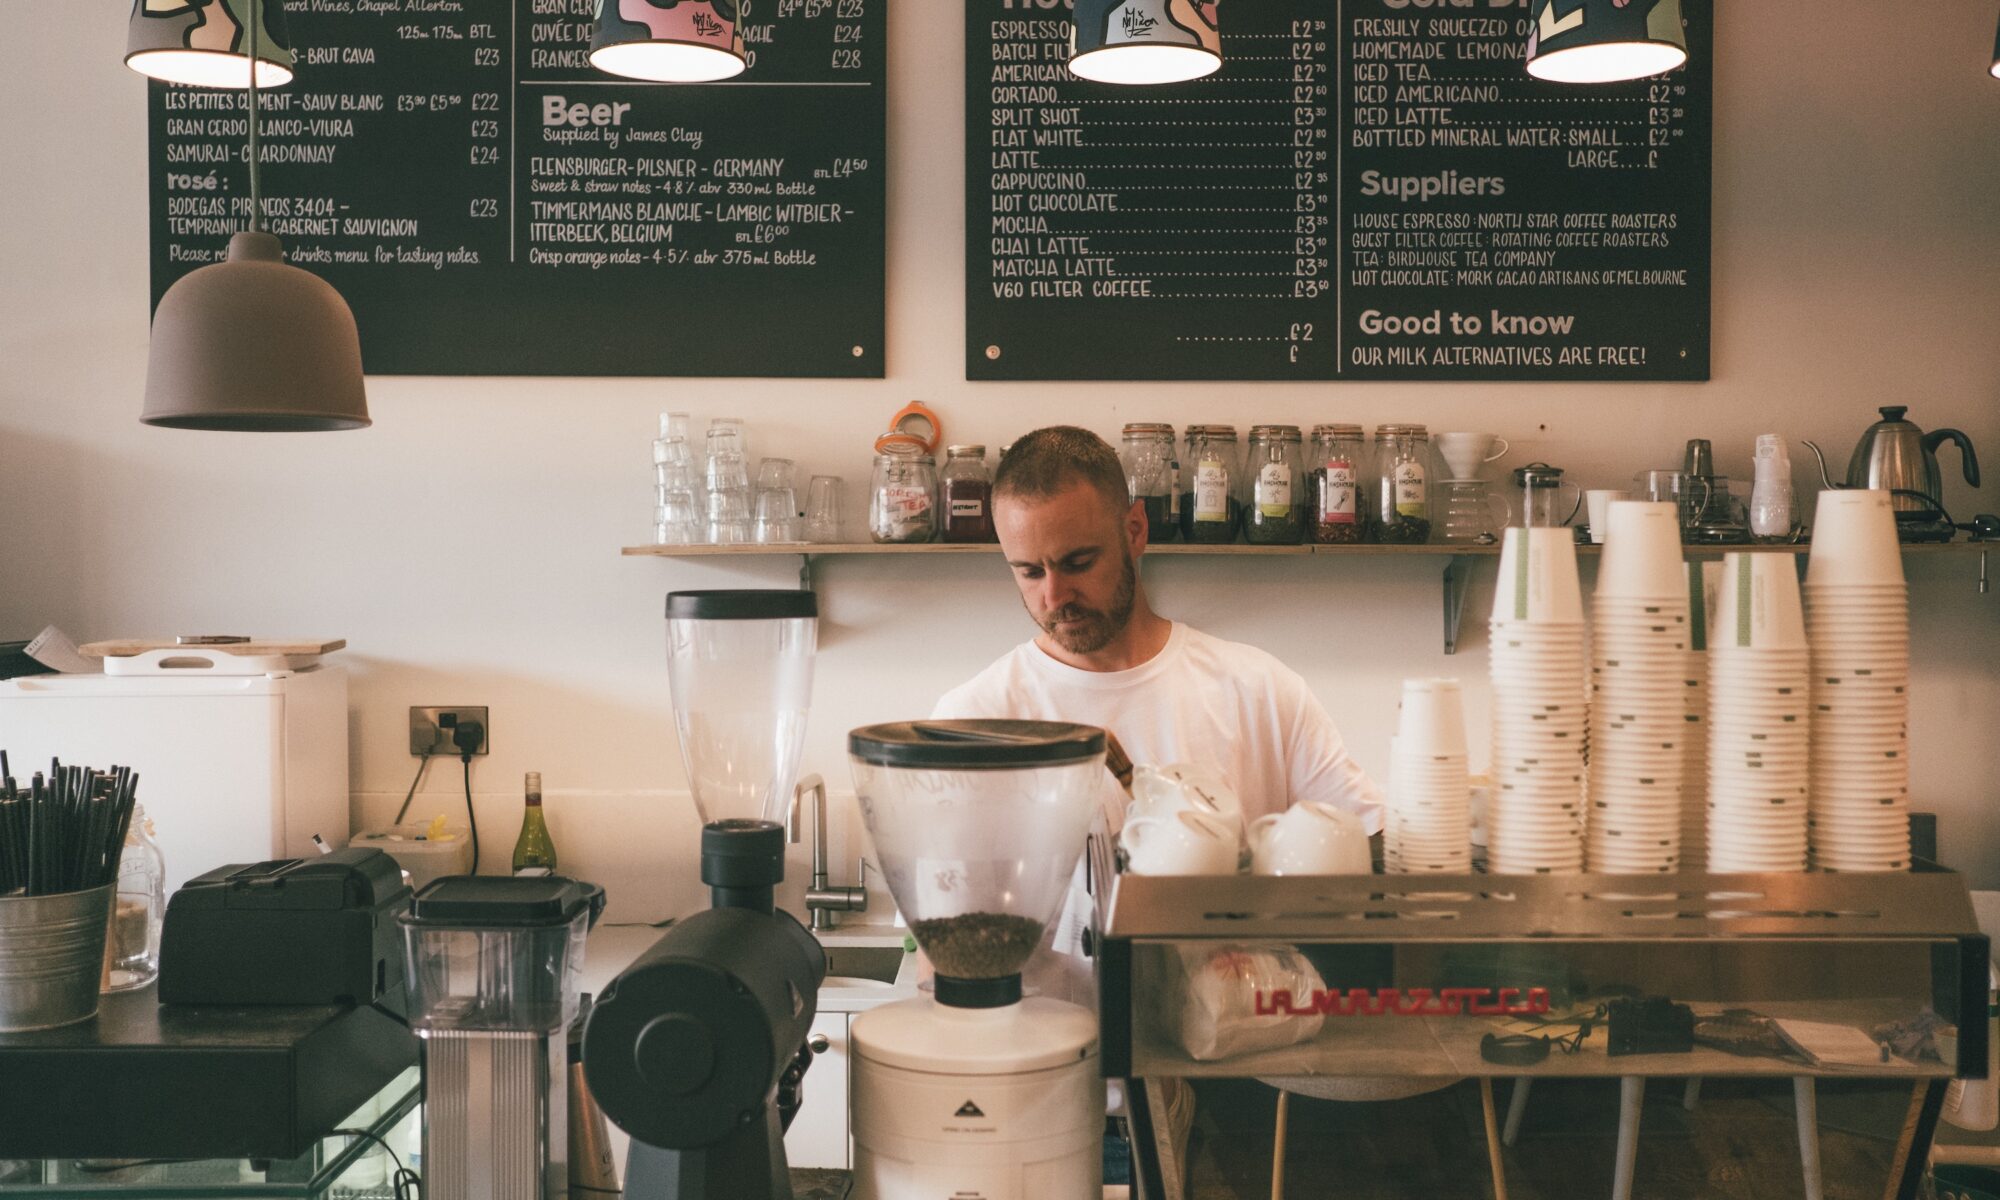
(978, 826)
(741, 665)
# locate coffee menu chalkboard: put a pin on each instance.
(489, 203)
(1368, 189)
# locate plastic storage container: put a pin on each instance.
(497, 953)
(427, 857)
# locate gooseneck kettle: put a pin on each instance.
(1895, 456)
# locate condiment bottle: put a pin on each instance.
(1400, 508)
(1152, 477)
(1275, 516)
(967, 488)
(1209, 507)
(1335, 494)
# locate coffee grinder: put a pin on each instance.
(698, 1049)
(974, 1090)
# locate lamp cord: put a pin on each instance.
(256, 201)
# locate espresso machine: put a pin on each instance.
(976, 1090)
(492, 968)
(698, 1049)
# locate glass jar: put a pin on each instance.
(1275, 515)
(1210, 500)
(902, 503)
(1152, 478)
(138, 909)
(1339, 463)
(968, 495)
(1399, 511)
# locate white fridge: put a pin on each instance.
(232, 768)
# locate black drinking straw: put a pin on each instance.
(67, 832)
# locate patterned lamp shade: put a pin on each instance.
(201, 42)
(1604, 41)
(1144, 41)
(669, 41)
(254, 345)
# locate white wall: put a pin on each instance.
(467, 546)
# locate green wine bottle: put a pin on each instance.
(534, 850)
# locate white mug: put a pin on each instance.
(1163, 791)
(1181, 843)
(1309, 839)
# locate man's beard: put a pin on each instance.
(1095, 630)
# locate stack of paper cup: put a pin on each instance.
(1638, 700)
(1858, 621)
(1540, 712)
(1759, 711)
(1703, 578)
(1429, 825)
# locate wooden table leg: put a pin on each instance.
(1913, 1148)
(1493, 1138)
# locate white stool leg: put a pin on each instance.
(1805, 1099)
(1692, 1096)
(1631, 1092)
(1517, 1103)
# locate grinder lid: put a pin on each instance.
(976, 745)
(459, 901)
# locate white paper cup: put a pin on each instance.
(1854, 539)
(1433, 717)
(1758, 605)
(1538, 577)
(1642, 551)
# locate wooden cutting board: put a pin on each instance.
(255, 648)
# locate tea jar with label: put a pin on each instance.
(1276, 513)
(902, 503)
(1211, 473)
(967, 498)
(1336, 483)
(1152, 477)
(1399, 509)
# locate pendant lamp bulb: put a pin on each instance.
(1145, 41)
(251, 344)
(686, 41)
(1605, 41)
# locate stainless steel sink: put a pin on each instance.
(876, 964)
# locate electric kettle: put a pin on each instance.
(1896, 456)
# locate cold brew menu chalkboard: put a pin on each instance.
(491, 204)
(1368, 189)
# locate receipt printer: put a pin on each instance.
(311, 931)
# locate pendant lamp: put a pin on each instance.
(1144, 41)
(207, 42)
(1996, 54)
(251, 344)
(1605, 41)
(668, 41)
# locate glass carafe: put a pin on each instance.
(1469, 513)
(1546, 499)
(741, 668)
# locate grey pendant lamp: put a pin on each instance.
(207, 43)
(1145, 41)
(669, 41)
(251, 344)
(1605, 41)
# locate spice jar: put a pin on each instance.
(1152, 477)
(1335, 491)
(902, 503)
(967, 495)
(1276, 513)
(1210, 507)
(1399, 504)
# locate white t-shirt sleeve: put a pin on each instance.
(1317, 759)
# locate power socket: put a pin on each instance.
(431, 728)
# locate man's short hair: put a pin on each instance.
(1056, 458)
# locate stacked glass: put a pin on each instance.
(726, 474)
(676, 486)
(777, 515)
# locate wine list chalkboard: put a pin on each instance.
(1367, 190)
(490, 204)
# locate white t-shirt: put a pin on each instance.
(1201, 700)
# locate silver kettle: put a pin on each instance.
(1896, 456)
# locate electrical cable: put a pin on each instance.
(422, 765)
(408, 1185)
(471, 816)
(256, 193)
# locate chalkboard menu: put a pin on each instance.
(1368, 189)
(490, 204)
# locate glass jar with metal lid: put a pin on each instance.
(1211, 496)
(1337, 484)
(1152, 477)
(1399, 511)
(902, 501)
(1275, 515)
(966, 499)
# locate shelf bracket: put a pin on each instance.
(1457, 578)
(805, 572)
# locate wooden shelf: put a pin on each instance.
(816, 550)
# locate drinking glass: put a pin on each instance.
(777, 515)
(774, 473)
(676, 518)
(728, 516)
(823, 509)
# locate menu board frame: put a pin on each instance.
(1453, 218)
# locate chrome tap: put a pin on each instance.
(824, 902)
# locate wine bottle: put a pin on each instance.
(534, 850)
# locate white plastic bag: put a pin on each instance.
(1210, 1001)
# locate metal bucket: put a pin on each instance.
(51, 957)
